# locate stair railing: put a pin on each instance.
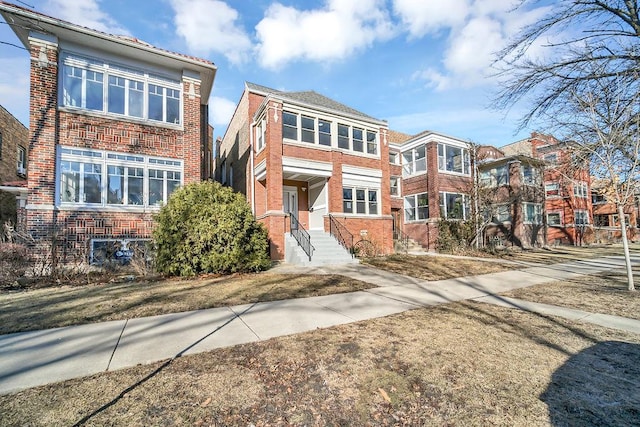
(301, 235)
(341, 234)
(402, 239)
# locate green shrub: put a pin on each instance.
(207, 228)
(454, 235)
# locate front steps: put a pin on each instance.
(327, 251)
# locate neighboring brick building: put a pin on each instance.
(606, 221)
(436, 183)
(14, 139)
(116, 125)
(303, 154)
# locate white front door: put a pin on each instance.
(290, 200)
(317, 205)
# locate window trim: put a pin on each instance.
(21, 161)
(416, 207)
(536, 175)
(582, 212)
(398, 186)
(536, 206)
(580, 189)
(560, 219)
(557, 190)
(442, 159)
(104, 159)
(367, 202)
(443, 206)
(490, 180)
(410, 167)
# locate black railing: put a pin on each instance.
(341, 234)
(301, 235)
(401, 238)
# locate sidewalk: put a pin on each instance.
(34, 358)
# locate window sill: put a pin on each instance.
(109, 208)
(445, 172)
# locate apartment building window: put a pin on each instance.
(453, 205)
(394, 158)
(360, 201)
(494, 177)
(531, 175)
(308, 129)
(93, 177)
(395, 186)
(601, 220)
(498, 214)
(580, 189)
(551, 158)
(552, 189)
(532, 213)
(343, 136)
(324, 132)
(358, 144)
(100, 86)
(554, 218)
(260, 130)
(372, 145)
(581, 217)
(21, 163)
(416, 207)
(598, 199)
(414, 161)
(289, 125)
(453, 159)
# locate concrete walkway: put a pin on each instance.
(29, 359)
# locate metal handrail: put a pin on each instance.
(301, 235)
(400, 236)
(341, 234)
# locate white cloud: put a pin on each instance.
(334, 32)
(220, 110)
(424, 16)
(86, 13)
(211, 26)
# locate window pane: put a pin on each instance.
(454, 159)
(173, 182)
(116, 95)
(423, 206)
(70, 181)
(308, 129)
(421, 161)
(155, 102)
(173, 106)
(372, 146)
(410, 208)
(289, 125)
(324, 131)
(361, 206)
(358, 143)
(92, 183)
(553, 218)
(72, 91)
(94, 91)
(373, 202)
(395, 182)
(136, 98)
(343, 136)
(135, 182)
(156, 190)
(347, 200)
(115, 178)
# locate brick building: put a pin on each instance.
(116, 125)
(14, 139)
(302, 155)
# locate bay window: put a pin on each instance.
(453, 205)
(453, 159)
(93, 177)
(414, 161)
(99, 86)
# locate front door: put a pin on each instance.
(317, 205)
(290, 201)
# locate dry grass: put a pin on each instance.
(604, 293)
(71, 305)
(456, 364)
(435, 267)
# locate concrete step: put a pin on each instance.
(327, 251)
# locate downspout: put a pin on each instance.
(252, 173)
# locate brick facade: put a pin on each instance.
(13, 135)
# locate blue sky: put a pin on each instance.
(419, 64)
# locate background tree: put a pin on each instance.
(585, 84)
(207, 228)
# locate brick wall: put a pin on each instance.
(14, 134)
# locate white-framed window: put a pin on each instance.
(103, 178)
(453, 205)
(21, 163)
(108, 88)
(394, 158)
(531, 175)
(372, 143)
(289, 125)
(581, 217)
(395, 186)
(416, 207)
(260, 135)
(598, 199)
(414, 161)
(494, 177)
(554, 218)
(498, 214)
(308, 126)
(453, 159)
(324, 132)
(580, 189)
(552, 189)
(551, 158)
(343, 137)
(532, 213)
(360, 201)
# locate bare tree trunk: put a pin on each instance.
(625, 246)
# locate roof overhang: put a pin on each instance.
(23, 22)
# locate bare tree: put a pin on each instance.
(603, 124)
(580, 41)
